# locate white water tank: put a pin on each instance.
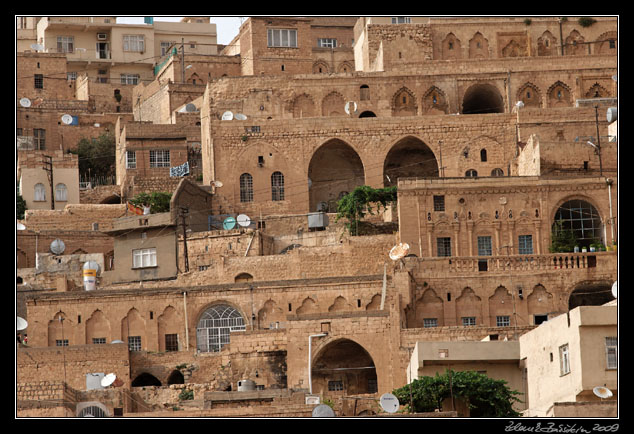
(611, 115)
(90, 270)
(246, 385)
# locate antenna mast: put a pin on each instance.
(48, 167)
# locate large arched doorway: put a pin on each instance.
(215, 326)
(334, 170)
(145, 379)
(409, 158)
(482, 98)
(343, 367)
(590, 294)
(582, 218)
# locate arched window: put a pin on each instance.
(215, 325)
(61, 192)
(582, 219)
(246, 188)
(92, 411)
(39, 193)
(364, 92)
(483, 155)
(277, 186)
(497, 172)
(471, 173)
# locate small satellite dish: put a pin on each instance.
(602, 392)
(229, 223)
(243, 220)
(108, 380)
(389, 403)
(615, 287)
(37, 47)
(20, 226)
(241, 117)
(96, 125)
(399, 251)
(57, 246)
(323, 410)
(20, 323)
(25, 102)
(227, 116)
(351, 107)
(217, 184)
(67, 119)
(117, 341)
(519, 104)
(189, 108)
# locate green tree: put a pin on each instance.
(485, 396)
(20, 207)
(562, 240)
(158, 201)
(359, 202)
(96, 155)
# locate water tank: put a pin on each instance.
(612, 114)
(317, 220)
(246, 385)
(90, 270)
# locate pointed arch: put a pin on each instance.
(559, 95)
(409, 157)
(303, 106)
(270, 314)
(58, 335)
(530, 95)
(478, 47)
(404, 103)
(340, 305)
(597, 91)
(547, 44)
(435, 101)
(169, 329)
(482, 98)
(469, 308)
(133, 330)
(308, 306)
(333, 104)
(574, 44)
(501, 308)
(607, 43)
(98, 328)
(321, 67)
(451, 48)
(429, 307)
(375, 303)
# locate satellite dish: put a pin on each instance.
(217, 183)
(389, 403)
(190, 108)
(351, 107)
(243, 220)
(57, 246)
(322, 206)
(20, 323)
(108, 380)
(117, 341)
(25, 102)
(67, 119)
(227, 116)
(20, 226)
(229, 223)
(399, 251)
(602, 392)
(615, 286)
(519, 104)
(241, 117)
(323, 410)
(96, 125)
(37, 47)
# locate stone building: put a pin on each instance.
(297, 313)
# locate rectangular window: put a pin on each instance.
(484, 246)
(39, 139)
(401, 20)
(430, 322)
(134, 343)
(171, 342)
(439, 203)
(142, 258)
(61, 342)
(443, 245)
(98, 340)
(135, 43)
(468, 321)
(71, 76)
(282, 38)
(334, 386)
(372, 385)
(611, 350)
(65, 44)
(130, 160)
(526, 244)
(165, 46)
(159, 158)
(564, 360)
(327, 42)
(39, 81)
(130, 78)
(503, 321)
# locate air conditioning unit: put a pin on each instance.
(102, 36)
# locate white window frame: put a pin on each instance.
(39, 193)
(611, 352)
(468, 321)
(144, 258)
(134, 43)
(71, 76)
(159, 158)
(285, 38)
(61, 192)
(130, 78)
(130, 160)
(564, 360)
(503, 321)
(65, 44)
(401, 20)
(165, 46)
(134, 343)
(430, 322)
(525, 244)
(327, 42)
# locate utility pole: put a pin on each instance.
(183, 59)
(183, 213)
(442, 168)
(596, 120)
(48, 167)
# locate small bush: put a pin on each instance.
(586, 21)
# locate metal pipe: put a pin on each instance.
(609, 182)
(186, 328)
(310, 361)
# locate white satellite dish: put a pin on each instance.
(351, 107)
(389, 403)
(323, 410)
(20, 323)
(20, 226)
(67, 119)
(615, 287)
(57, 246)
(217, 183)
(399, 251)
(37, 47)
(117, 341)
(602, 392)
(243, 220)
(25, 102)
(227, 116)
(108, 380)
(241, 117)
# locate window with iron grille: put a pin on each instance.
(61, 342)
(277, 186)
(159, 158)
(38, 81)
(503, 321)
(372, 385)
(134, 343)
(564, 360)
(443, 245)
(526, 244)
(246, 188)
(171, 342)
(98, 340)
(439, 203)
(611, 350)
(430, 322)
(484, 246)
(39, 139)
(215, 326)
(335, 385)
(468, 321)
